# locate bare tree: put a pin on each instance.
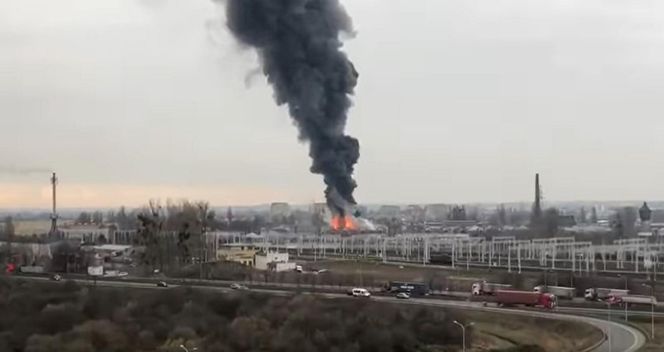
(10, 231)
(97, 218)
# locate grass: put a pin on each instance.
(645, 324)
(495, 331)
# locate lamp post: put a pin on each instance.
(652, 308)
(608, 327)
(463, 333)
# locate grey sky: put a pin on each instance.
(457, 101)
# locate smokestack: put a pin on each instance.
(537, 206)
(54, 214)
(298, 44)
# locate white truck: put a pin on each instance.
(558, 291)
(484, 288)
(601, 293)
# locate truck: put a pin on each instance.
(559, 291)
(525, 298)
(601, 293)
(484, 288)
(635, 300)
(411, 288)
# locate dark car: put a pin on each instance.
(162, 284)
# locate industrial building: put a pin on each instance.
(273, 261)
(238, 253)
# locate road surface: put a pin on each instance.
(619, 337)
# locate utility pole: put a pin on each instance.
(54, 214)
(202, 242)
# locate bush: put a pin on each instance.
(121, 320)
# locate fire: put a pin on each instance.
(342, 223)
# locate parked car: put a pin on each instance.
(162, 284)
(403, 295)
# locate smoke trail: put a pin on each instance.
(300, 51)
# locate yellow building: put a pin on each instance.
(238, 253)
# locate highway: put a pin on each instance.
(623, 338)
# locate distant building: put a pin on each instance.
(566, 220)
(279, 211)
(415, 213)
(273, 261)
(657, 215)
(237, 253)
(87, 233)
(436, 212)
(389, 211)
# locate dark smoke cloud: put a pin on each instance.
(300, 51)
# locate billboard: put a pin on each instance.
(95, 270)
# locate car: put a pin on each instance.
(360, 292)
(403, 295)
(162, 284)
(56, 277)
(236, 286)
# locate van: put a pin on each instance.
(360, 292)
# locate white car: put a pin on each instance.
(360, 292)
(236, 286)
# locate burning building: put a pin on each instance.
(348, 224)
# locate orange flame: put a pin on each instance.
(342, 223)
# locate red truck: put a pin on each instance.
(526, 298)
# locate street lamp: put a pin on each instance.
(608, 327)
(652, 308)
(463, 332)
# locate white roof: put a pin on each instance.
(112, 247)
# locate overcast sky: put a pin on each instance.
(458, 101)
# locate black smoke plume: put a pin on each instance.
(300, 51)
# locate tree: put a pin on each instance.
(84, 218)
(550, 221)
(629, 217)
(151, 226)
(97, 218)
(110, 216)
(9, 234)
(624, 220)
(502, 215)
